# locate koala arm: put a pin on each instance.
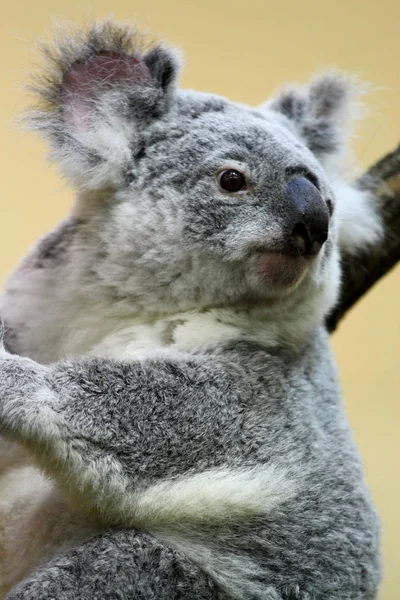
(105, 431)
(119, 564)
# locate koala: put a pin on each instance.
(172, 422)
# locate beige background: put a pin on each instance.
(244, 50)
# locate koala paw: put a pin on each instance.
(21, 382)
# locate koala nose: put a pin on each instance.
(308, 215)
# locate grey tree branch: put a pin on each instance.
(360, 273)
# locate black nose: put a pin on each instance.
(308, 216)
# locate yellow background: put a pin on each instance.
(244, 50)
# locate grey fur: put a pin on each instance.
(204, 365)
(119, 565)
(227, 408)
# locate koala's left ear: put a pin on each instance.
(320, 112)
(100, 88)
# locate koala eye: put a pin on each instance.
(231, 180)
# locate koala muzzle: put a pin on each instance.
(308, 217)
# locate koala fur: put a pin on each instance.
(166, 364)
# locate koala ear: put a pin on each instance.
(320, 112)
(99, 89)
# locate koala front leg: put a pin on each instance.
(120, 437)
(102, 429)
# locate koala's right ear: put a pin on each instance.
(99, 89)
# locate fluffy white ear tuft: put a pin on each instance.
(359, 225)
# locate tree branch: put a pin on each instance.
(361, 272)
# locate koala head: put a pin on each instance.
(193, 201)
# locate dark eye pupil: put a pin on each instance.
(232, 181)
